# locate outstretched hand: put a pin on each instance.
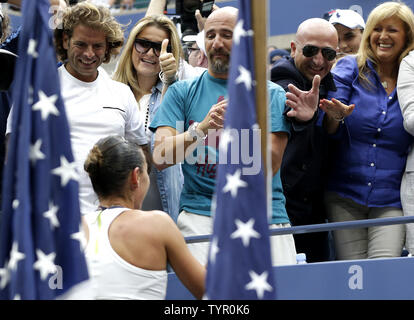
(168, 64)
(201, 20)
(335, 109)
(303, 103)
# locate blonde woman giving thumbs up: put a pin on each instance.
(150, 62)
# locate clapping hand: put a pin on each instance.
(215, 117)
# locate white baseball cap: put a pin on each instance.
(197, 38)
(348, 18)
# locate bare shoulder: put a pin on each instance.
(153, 222)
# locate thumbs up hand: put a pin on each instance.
(168, 64)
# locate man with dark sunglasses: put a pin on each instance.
(304, 163)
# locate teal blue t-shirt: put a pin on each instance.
(278, 123)
(190, 100)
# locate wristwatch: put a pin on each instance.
(195, 133)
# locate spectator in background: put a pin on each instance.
(277, 54)
(349, 25)
(128, 248)
(153, 46)
(127, 4)
(305, 161)
(196, 52)
(405, 91)
(270, 48)
(371, 144)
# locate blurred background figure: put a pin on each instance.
(270, 48)
(349, 25)
(276, 55)
(105, 3)
(196, 52)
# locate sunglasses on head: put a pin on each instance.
(310, 51)
(143, 46)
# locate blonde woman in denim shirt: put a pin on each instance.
(145, 55)
(372, 145)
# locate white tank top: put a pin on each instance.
(112, 277)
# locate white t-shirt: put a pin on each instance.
(96, 110)
(187, 71)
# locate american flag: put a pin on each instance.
(40, 240)
(239, 262)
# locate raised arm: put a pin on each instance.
(155, 7)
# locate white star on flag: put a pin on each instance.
(245, 231)
(45, 263)
(31, 49)
(80, 236)
(240, 32)
(51, 215)
(15, 256)
(214, 249)
(258, 283)
(66, 171)
(35, 153)
(46, 105)
(225, 139)
(5, 276)
(234, 183)
(244, 77)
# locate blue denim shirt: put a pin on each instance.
(372, 145)
(170, 180)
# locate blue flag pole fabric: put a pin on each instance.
(239, 263)
(40, 243)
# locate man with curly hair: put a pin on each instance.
(96, 105)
